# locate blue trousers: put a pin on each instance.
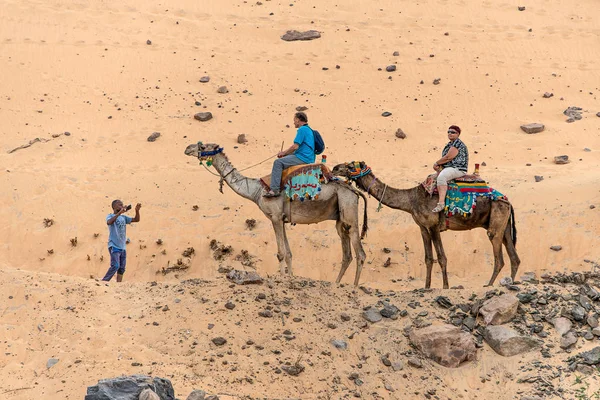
(118, 260)
(278, 166)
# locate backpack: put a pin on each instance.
(319, 143)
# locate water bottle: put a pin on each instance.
(323, 159)
(476, 172)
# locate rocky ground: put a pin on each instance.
(298, 338)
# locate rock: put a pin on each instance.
(203, 116)
(560, 160)
(596, 331)
(437, 81)
(562, 325)
(585, 302)
(506, 281)
(291, 36)
(508, 342)
(389, 311)
(130, 388)
(400, 134)
(415, 362)
(372, 315)
(390, 68)
(525, 297)
(241, 139)
(51, 362)
(585, 369)
(591, 357)
(521, 8)
(499, 309)
(148, 394)
(538, 178)
(532, 128)
(197, 395)
(205, 79)
(339, 344)
(386, 114)
(398, 366)
(229, 305)
(345, 317)
(598, 114)
(222, 90)
(293, 370)
(574, 113)
(244, 277)
(219, 341)
(397, 53)
(568, 340)
(445, 344)
(588, 335)
(469, 322)
(386, 361)
(547, 95)
(556, 248)
(592, 320)
(266, 313)
(529, 277)
(578, 313)
(154, 136)
(148, 42)
(301, 108)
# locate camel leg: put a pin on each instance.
(441, 255)
(498, 258)
(282, 250)
(346, 250)
(428, 254)
(358, 250)
(512, 253)
(288, 253)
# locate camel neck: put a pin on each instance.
(248, 188)
(399, 199)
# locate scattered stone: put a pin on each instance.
(203, 116)
(596, 331)
(205, 79)
(532, 128)
(148, 394)
(415, 362)
(51, 362)
(250, 224)
(397, 53)
(244, 277)
(293, 35)
(154, 136)
(508, 342)
(445, 344)
(266, 313)
(293, 370)
(389, 311)
(339, 344)
(547, 95)
(592, 321)
(578, 313)
(506, 281)
(398, 366)
(561, 160)
(521, 8)
(499, 309)
(538, 178)
(345, 317)
(562, 325)
(197, 395)
(591, 357)
(222, 90)
(443, 301)
(229, 305)
(574, 113)
(148, 42)
(556, 248)
(585, 369)
(568, 340)
(386, 114)
(437, 81)
(588, 336)
(386, 361)
(372, 315)
(390, 68)
(130, 388)
(219, 341)
(400, 134)
(525, 298)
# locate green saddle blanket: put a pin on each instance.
(306, 183)
(461, 197)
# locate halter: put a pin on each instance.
(207, 155)
(356, 172)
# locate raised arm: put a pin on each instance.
(137, 213)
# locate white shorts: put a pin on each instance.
(448, 174)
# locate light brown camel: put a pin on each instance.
(497, 217)
(337, 201)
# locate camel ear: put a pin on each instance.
(362, 164)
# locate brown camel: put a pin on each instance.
(337, 201)
(497, 217)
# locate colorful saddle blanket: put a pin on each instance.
(462, 193)
(302, 182)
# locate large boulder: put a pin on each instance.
(508, 342)
(244, 277)
(500, 309)
(562, 325)
(130, 388)
(445, 344)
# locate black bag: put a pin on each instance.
(319, 143)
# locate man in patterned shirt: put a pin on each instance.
(452, 165)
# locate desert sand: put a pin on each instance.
(111, 74)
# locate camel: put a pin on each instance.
(337, 201)
(497, 217)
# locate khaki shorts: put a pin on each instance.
(448, 174)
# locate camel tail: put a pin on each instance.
(513, 226)
(365, 227)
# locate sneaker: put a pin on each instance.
(438, 208)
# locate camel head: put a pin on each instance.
(202, 151)
(349, 170)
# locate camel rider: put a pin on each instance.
(301, 152)
(452, 165)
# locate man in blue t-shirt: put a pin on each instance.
(117, 238)
(301, 152)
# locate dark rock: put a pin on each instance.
(469, 322)
(585, 302)
(205, 79)
(578, 313)
(508, 342)
(339, 344)
(301, 108)
(51, 362)
(372, 315)
(197, 395)
(154, 136)
(568, 340)
(203, 116)
(413, 362)
(386, 361)
(403, 313)
(345, 317)
(129, 388)
(266, 313)
(588, 335)
(229, 305)
(400, 134)
(521, 8)
(547, 95)
(397, 53)
(222, 90)
(219, 341)
(244, 277)
(291, 36)
(445, 344)
(293, 370)
(538, 178)
(591, 357)
(390, 68)
(437, 81)
(525, 297)
(386, 114)
(532, 128)
(241, 139)
(573, 113)
(585, 369)
(389, 311)
(561, 160)
(443, 301)
(556, 248)
(148, 42)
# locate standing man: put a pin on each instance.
(117, 238)
(301, 152)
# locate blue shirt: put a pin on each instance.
(117, 238)
(306, 144)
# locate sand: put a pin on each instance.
(87, 69)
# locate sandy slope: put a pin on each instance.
(85, 68)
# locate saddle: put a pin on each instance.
(430, 183)
(296, 170)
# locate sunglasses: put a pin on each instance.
(453, 132)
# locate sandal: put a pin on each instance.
(438, 208)
(271, 193)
